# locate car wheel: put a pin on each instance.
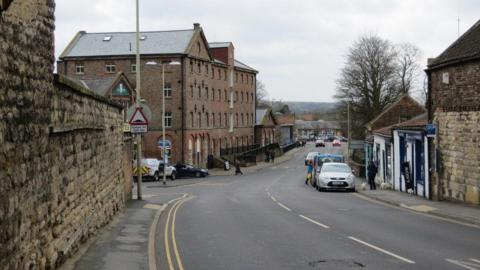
(197, 174)
(351, 190)
(173, 176)
(156, 177)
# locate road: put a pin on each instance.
(272, 220)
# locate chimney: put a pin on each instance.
(196, 26)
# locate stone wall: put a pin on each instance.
(455, 108)
(61, 148)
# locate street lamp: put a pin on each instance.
(171, 63)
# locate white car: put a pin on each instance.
(335, 176)
(151, 169)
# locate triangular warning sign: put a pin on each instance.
(138, 118)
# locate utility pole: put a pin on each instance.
(139, 135)
(348, 128)
(163, 126)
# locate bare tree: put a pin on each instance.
(368, 80)
(262, 94)
(407, 66)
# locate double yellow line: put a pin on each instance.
(170, 232)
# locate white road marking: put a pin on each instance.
(314, 222)
(284, 207)
(273, 198)
(466, 264)
(381, 250)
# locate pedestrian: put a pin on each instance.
(267, 156)
(237, 168)
(272, 156)
(309, 173)
(372, 172)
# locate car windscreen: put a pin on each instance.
(335, 168)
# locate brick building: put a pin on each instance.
(210, 97)
(453, 105)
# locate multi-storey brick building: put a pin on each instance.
(210, 96)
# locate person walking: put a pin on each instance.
(237, 168)
(272, 156)
(309, 173)
(372, 172)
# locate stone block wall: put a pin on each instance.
(61, 148)
(455, 107)
(459, 143)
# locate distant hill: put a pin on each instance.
(302, 107)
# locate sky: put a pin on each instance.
(298, 46)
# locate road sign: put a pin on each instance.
(138, 122)
(126, 127)
(431, 130)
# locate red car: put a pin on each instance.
(336, 143)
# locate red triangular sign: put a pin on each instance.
(138, 118)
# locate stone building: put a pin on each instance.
(265, 127)
(64, 163)
(454, 106)
(210, 97)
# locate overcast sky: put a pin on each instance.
(299, 46)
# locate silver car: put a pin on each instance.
(335, 176)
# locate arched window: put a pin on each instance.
(241, 95)
(199, 119)
(199, 92)
(219, 94)
(243, 123)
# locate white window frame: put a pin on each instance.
(168, 119)
(133, 68)
(110, 68)
(80, 68)
(168, 90)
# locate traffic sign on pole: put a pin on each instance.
(138, 122)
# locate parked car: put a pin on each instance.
(310, 157)
(336, 143)
(329, 139)
(152, 169)
(319, 143)
(189, 170)
(322, 158)
(335, 176)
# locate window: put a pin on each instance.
(199, 119)
(133, 68)
(107, 38)
(226, 119)
(242, 78)
(236, 119)
(219, 94)
(191, 91)
(241, 94)
(168, 89)
(191, 66)
(142, 38)
(225, 75)
(243, 122)
(191, 120)
(199, 92)
(213, 120)
(251, 95)
(213, 94)
(199, 68)
(168, 119)
(207, 116)
(80, 68)
(246, 97)
(199, 47)
(219, 119)
(206, 69)
(120, 90)
(236, 77)
(213, 73)
(110, 68)
(225, 92)
(206, 92)
(236, 96)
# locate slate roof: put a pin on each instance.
(123, 43)
(466, 47)
(242, 65)
(219, 44)
(418, 121)
(260, 114)
(100, 86)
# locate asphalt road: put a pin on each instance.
(272, 220)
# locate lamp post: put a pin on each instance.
(172, 63)
(138, 136)
(348, 127)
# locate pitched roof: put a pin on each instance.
(123, 43)
(101, 86)
(260, 113)
(219, 44)
(285, 120)
(418, 121)
(391, 106)
(466, 47)
(242, 65)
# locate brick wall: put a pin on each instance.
(61, 148)
(404, 110)
(455, 108)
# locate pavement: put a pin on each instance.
(269, 219)
(451, 210)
